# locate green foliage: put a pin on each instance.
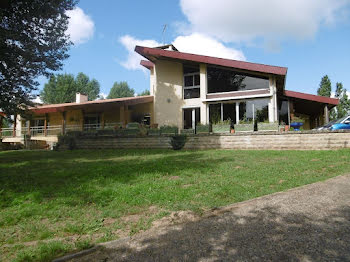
(298, 119)
(121, 89)
(68, 140)
(169, 130)
(144, 93)
(201, 129)
(343, 108)
(178, 142)
(33, 42)
(325, 88)
(62, 88)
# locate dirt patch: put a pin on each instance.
(314, 160)
(174, 177)
(176, 218)
(108, 221)
(187, 185)
(281, 181)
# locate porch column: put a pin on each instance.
(326, 114)
(222, 112)
(125, 114)
(45, 125)
(291, 111)
(28, 131)
(203, 93)
(63, 123)
(193, 118)
(82, 120)
(103, 120)
(14, 125)
(207, 114)
(237, 112)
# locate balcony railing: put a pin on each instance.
(36, 131)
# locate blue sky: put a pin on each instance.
(311, 38)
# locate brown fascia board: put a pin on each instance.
(52, 108)
(149, 53)
(310, 97)
(148, 64)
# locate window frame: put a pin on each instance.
(193, 86)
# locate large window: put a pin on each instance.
(191, 82)
(254, 109)
(224, 80)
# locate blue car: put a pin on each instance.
(341, 123)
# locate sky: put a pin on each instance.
(311, 38)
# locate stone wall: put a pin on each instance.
(264, 141)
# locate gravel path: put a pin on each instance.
(310, 223)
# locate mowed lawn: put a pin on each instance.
(52, 203)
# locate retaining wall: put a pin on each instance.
(264, 141)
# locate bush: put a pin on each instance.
(67, 140)
(168, 130)
(178, 142)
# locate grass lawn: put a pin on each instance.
(54, 202)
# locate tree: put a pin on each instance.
(325, 87)
(62, 88)
(144, 93)
(33, 42)
(343, 108)
(121, 89)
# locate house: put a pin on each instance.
(185, 89)
(190, 89)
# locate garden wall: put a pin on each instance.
(308, 140)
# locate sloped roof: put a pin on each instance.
(153, 53)
(315, 98)
(62, 107)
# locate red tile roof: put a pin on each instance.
(62, 107)
(148, 53)
(320, 99)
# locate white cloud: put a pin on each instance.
(37, 100)
(101, 96)
(133, 60)
(205, 45)
(80, 27)
(194, 43)
(236, 20)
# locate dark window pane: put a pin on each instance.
(214, 113)
(222, 80)
(191, 93)
(191, 69)
(187, 118)
(230, 112)
(196, 80)
(188, 80)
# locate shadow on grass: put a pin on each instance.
(263, 235)
(75, 174)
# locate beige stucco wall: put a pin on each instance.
(74, 117)
(55, 119)
(168, 93)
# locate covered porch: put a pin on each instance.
(48, 121)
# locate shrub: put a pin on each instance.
(169, 130)
(68, 140)
(178, 142)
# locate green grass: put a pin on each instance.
(52, 203)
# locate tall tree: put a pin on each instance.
(343, 108)
(325, 87)
(33, 42)
(121, 89)
(62, 88)
(144, 93)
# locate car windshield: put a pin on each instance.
(341, 119)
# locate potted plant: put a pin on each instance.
(267, 126)
(202, 129)
(296, 123)
(222, 126)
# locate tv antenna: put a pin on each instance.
(163, 33)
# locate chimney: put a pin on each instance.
(80, 98)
